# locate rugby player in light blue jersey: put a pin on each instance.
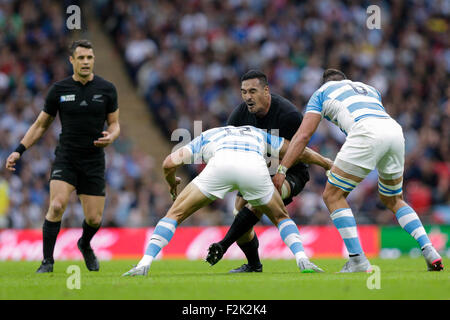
(235, 161)
(374, 140)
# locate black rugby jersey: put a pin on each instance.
(282, 115)
(83, 110)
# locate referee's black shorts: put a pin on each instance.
(86, 174)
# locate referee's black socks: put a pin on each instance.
(50, 232)
(242, 223)
(88, 234)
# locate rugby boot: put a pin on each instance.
(215, 253)
(89, 257)
(137, 271)
(357, 263)
(247, 268)
(45, 267)
(433, 259)
(307, 266)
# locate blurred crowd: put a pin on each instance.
(186, 57)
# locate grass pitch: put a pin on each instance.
(403, 278)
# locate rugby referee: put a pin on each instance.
(84, 102)
(269, 111)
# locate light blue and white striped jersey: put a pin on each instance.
(346, 102)
(241, 139)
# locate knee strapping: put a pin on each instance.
(285, 192)
(345, 184)
(390, 190)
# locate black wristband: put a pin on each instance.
(20, 149)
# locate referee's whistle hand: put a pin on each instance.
(11, 161)
(104, 141)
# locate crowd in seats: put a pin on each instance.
(186, 57)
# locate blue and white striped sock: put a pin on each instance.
(161, 236)
(291, 237)
(344, 221)
(410, 222)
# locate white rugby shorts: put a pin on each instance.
(230, 170)
(373, 143)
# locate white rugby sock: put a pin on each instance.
(291, 237)
(145, 261)
(161, 236)
(345, 222)
(410, 222)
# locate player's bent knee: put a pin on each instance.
(337, 187)
(279, 216)
(176, 214)
(390, 192)
(94, 221)
(257, 213)
(331, 195)
(57, 207)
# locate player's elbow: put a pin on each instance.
(172, 161)
(168, 163)
(299, 140)
(304, 137)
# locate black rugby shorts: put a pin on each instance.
(87, 175)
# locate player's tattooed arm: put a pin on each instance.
(308, 156)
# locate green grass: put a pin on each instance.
(403, 278)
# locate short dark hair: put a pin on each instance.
(333, 75)
(79, 43)
(255, 74)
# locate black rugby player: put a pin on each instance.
(84, 102)
(269, 111)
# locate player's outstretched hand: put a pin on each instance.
(104, 141)
(278, 181)
(173, 188)
(11, 161)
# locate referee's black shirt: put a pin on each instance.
(83, 110)
(282, 115)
